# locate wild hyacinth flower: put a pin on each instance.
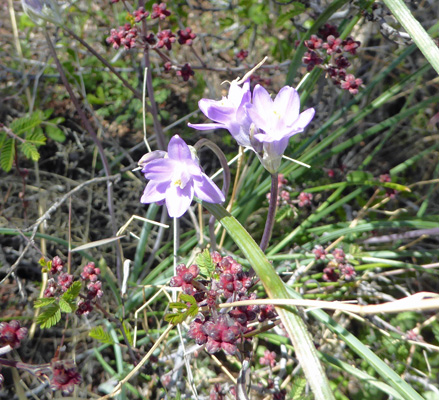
(42, 10)
(175, 177)
(229, 113)
(276, 121)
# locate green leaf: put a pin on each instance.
(298, 389)
(55, 133)
(205, 263)
(192, 310)
(188, 298)
(178, 306)
(7, 154)
(50, 317)
(3, 137)
(43, 302)
(175, 318)
(36, 137)
(72, 292)
(65, 306)
(359, 177)
(30, 151)
(127, 331)
(99, 334)
(26, 124)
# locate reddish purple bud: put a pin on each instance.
(186, 72)
(160, 11)
(313, 43)
(176, 281)
(351, 83)
(12, 334)
(350, 45)
(330, 275)
(65, 280)
(339, 255)
(84, 307)
(216, 257)
(332, 45)
(328, 30)
(140, 14)
(241, 54)
(57, 265)
(185, 36)
(348, 271)
(311, 59)
(305, 199)
(342, 62)
(269, 358)
(319, 252)
(65, 376)
(167, 66)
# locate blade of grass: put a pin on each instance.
(422, 39)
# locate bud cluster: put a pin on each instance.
(65, 376)
(90, 274)
(327, 43)
(129, 36)
(12, 334)
(59, 281)
(216, 328)
(336, 268)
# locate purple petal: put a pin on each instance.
(206, 189)
(218, 111)
(304, 119)
(154, 192)
(207, 127)
(179, 200)
(260, 120)
(160, 170)
(287, 104)
(148, 157)
(178, 149)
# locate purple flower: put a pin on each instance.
(229, 113)
(277, 120)
(175, 177)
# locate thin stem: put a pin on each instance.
(271, 212)
(98, 144)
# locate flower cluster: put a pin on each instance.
(90, 274)
(12, 334)
(129, 37)
(175, 178)
(59, 281)
(214, 328)
(336, 268)
(65, 376)
(327, 43)
(256, 121)
(125, 35)
(269, 358)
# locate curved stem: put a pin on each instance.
(98, 144)
(271, 212)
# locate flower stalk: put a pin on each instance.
(269, 223)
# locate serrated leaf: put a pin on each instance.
(178, 306)
(50, 316)
(30, 151)
(187, 298)
(298, 389)
(192, 310)
(3, 137)
(36, 137)
(65, 306)
(7, 154)
(55, 133)
(205, 263)
(43, 302)
(26, 124)
(99, 334)
(127, 330)
(72, 292)
(175, 318)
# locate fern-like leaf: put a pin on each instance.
(50, 316)
(7, 154)
(72, 292)
(99, 334)
(30, 151)
(43, 302)
(205, 263)
(26, 124)
(36, 137)
(65, 306)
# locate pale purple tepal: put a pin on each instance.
(175, 177)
